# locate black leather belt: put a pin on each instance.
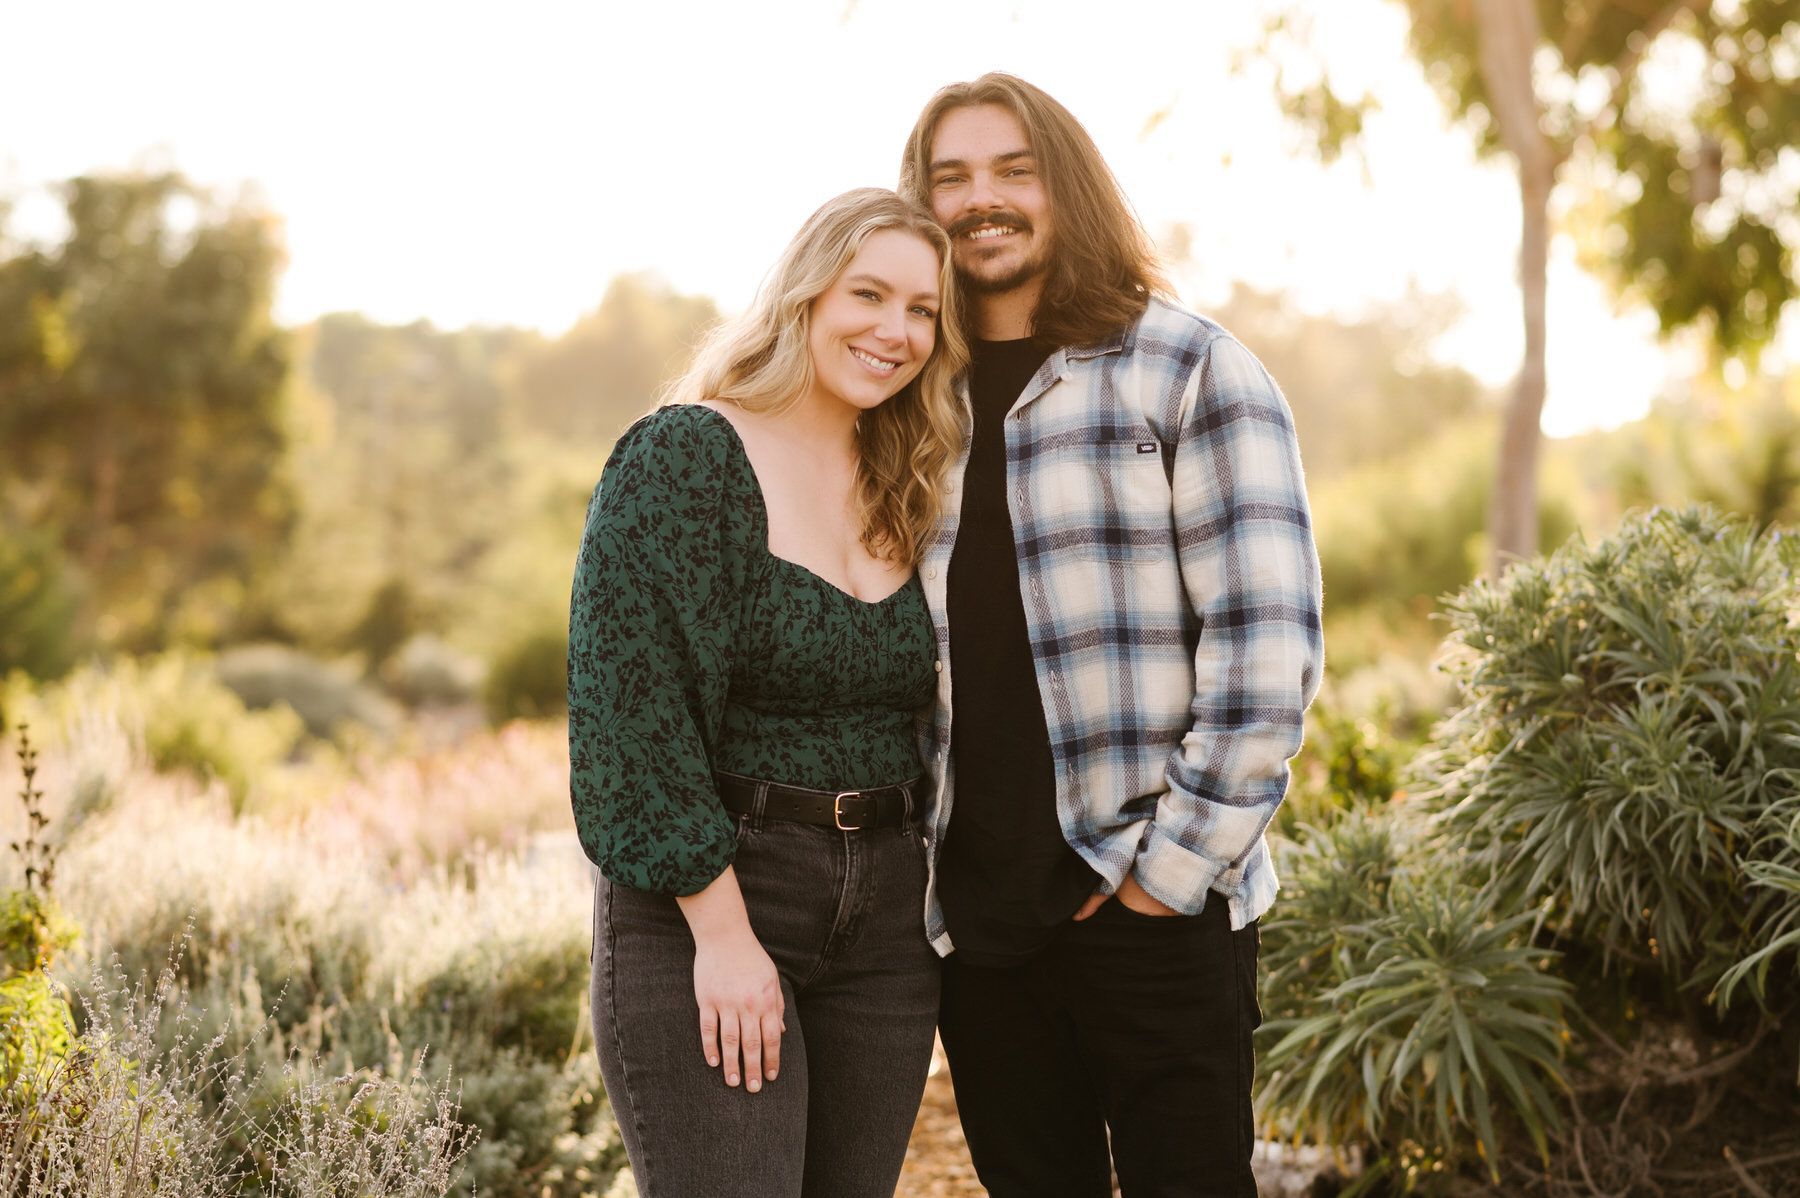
(846, 810)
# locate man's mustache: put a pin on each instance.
(1003, 220)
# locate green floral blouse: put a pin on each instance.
(692, 648)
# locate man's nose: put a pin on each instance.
(981, 193)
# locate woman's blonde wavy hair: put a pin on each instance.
(759, 361)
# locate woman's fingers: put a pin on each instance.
(709, 1036)
(773, 1026)
(728, 1035)
(728, 1041)
(753, 1071)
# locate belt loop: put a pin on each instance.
(906, 808)
(758, 805)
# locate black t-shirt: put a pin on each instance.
(1007, 880)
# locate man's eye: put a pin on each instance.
(946, 180)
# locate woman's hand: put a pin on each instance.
(736, 985)
(739, 992)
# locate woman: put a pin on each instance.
(748, 647)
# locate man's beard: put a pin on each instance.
(1020, 275)
(1012, 280)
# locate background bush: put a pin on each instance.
(426, 672)
(172, 709)
(328, 699)
(39, 604)
(1626, 751)
(530, 677)
(1400, 1012)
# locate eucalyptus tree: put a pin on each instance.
(1693, 189)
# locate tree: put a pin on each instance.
(141, 393)
(407, 477)
(597, 378)
(1363, 390)
(1687, 198)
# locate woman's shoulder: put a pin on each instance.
(682, 458)
(679, 431)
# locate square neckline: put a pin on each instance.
(743, 453)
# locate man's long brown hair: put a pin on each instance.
(1103, 269)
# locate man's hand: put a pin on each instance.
(1132, 895)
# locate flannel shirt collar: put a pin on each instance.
(1056, 366)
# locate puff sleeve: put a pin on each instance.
(652, 619)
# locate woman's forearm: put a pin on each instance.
(716, 913)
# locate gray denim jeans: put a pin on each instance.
(841, 915)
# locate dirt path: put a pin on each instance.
(937, 1159)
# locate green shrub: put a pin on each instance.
(428, 673)
(303, 946)
(1627, 748)
(175, 710)
(38, 604)
(1397, 534)
(1403, 1015)
(1347, 761)
(37, 1029)
(327, 699)
(530, 677)
(391, 619)
(148, 1104)
(547, 1131)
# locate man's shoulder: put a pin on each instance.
(1173, 350)
(1166, 329)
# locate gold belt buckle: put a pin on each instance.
(837, 810)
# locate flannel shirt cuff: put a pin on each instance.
(1173, 874)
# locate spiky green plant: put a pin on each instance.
(1404, 1015)
(1627, 739)
(1773, 888)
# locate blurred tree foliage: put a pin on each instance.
(141, 395)
(443, 475)
(1362, 390)
(1685, 201)
(38, 603)
(403, 460)
(606, 371)
(1399, 532)
(1737, 448)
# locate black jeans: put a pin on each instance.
(842, 916)
(1131, 1023)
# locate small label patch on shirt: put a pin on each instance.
(1146, 446)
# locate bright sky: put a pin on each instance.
(499, 164)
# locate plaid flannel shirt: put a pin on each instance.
(1171, 592)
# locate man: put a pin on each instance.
(1126, 594)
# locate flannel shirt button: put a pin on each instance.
(938, 666)
(931, 571)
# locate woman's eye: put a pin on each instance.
(865, 293)
(927, 313)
